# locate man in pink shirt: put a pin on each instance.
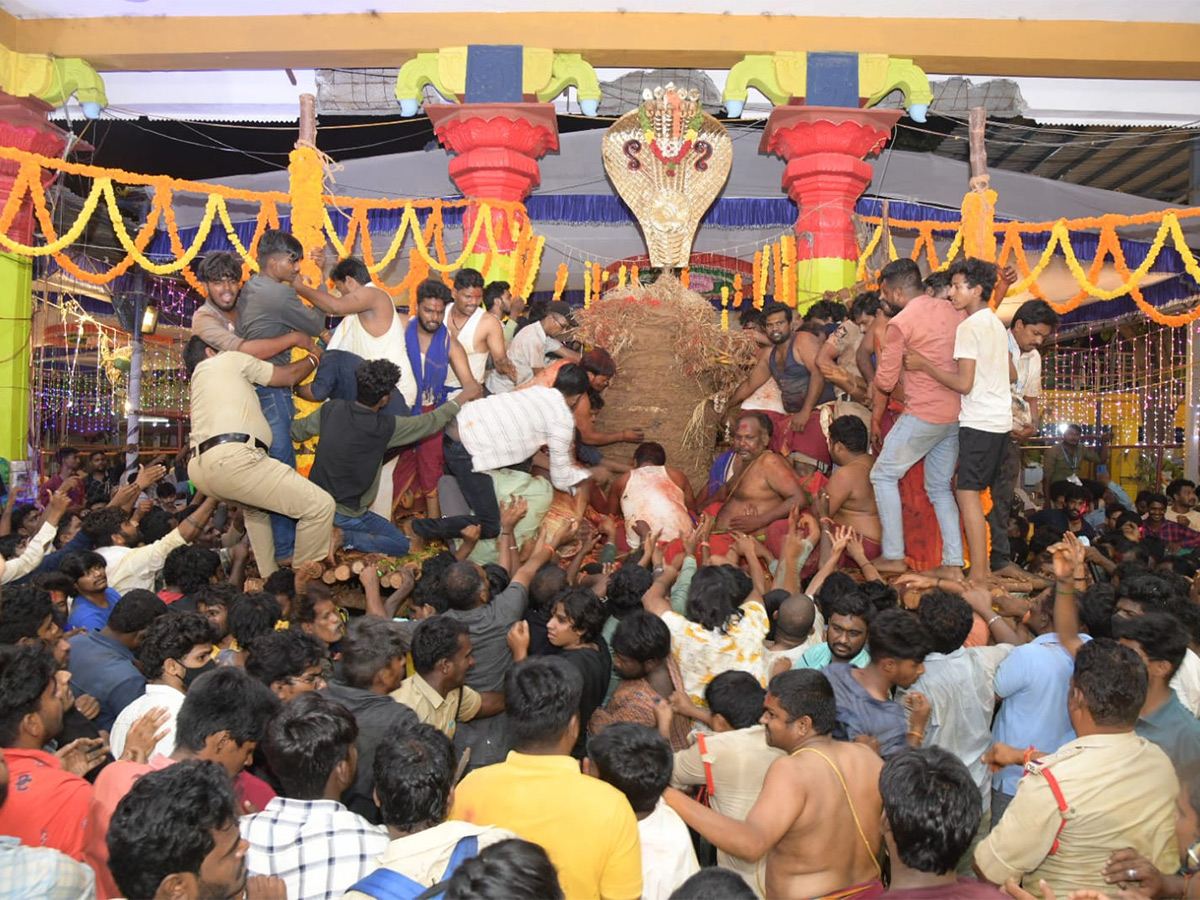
(928, 429)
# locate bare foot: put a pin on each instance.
(335, 544)
(1010, 570)
(950, 573)
(886, 566)
(306, 572)
(415, 543)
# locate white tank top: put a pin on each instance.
(651, 495)
(476, 361)
(352, 337)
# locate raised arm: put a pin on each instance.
(358, 300)
(589, 434)
(757, 378)
(1069, 570)
(293, 373)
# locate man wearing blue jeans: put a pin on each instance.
(268, 307)
(354, 439)
(928, 429)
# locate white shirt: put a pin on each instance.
(1186, 682)
(528, 351)
(507, 429)
(988, 405)
(31, 557)
(668, 858)
(130, 568)
(1029, 369)
(156, 695)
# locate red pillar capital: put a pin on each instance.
(497, 147)
(824, 147)
(24, 126)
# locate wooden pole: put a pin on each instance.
(308, 120)
(979, 213)
(977, 124)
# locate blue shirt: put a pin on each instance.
(103, 667)
(860, 713)
(819, 656)
(1032, 684)
(1175, 730)
(41, 872)
(335, 379)
(86, 614)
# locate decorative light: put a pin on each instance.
(150, 319)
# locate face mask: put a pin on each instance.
(830, 328)
(190, 675)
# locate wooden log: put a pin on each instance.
(328, 577)
(342, 572)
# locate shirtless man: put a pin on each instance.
(823, 794)
(654, 493)
(849, 498)
(761, 488)
(479, 334)
(838, 357)
(792, 361)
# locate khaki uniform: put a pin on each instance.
(224, 402)
(1120, 790)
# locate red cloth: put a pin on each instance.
(922, 539)
(46, 807)
(811, 441)
(77, 494)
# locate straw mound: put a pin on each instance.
(677, 369)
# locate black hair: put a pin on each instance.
(806, 692)
(435, 639)
(434, 289)
(370, 645)
(865, 304)
(275, 243)
(251, 615)
(772, 600)
(850, 432)
(1059, 489)
(547, 583)
(599, 361)
(642, 636)
(1160, 499)
(749, 317)
(835, 585)
(507, 870)
(571, 380)
(649, 453)
(714, 883)
(283, 654)
(1112, 680)
(214, 593)
(897, 634)
(414, 774)
(736, 695)
(461, 585)
(541, 696)
(773, 309)
(583, 610)
(165, 824)
(171, 637)
(498, 578)
(225, 699)
(374, 380)
(626, 587)
(20, 513)
(977, 273)
(219, 265)
(305, 739)
(467, 278)
(947, 619)
(879, 594)
(853, 603)
(1161, 636)
(304, 608)
(1036, 312)
(10, 545)
(194, 353)
(715, 597)
(933, 807)
(493, 291)
(938, 280)
(1097, 604)
(902, 273)
(1146, 590)
(99, 525)
(135, 611)
(281, 581)
(350, 267)
(634, 759)
(1178, 485)
(763, 420)
(826, 309)
(64, 452)
(23, 612)
(163, 490)
(190, 567)
(155, 525)
(25, 673)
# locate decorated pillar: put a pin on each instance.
(497, 147)
(824, 148)
(23, 125)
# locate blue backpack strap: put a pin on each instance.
(467, 848)
(386, 884)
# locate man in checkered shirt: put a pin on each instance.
(306, 836)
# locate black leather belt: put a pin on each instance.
(218, 440)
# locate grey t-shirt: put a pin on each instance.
(268, 309)
(488, 626)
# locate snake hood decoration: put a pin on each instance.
(668, 160)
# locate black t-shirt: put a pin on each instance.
(595, 665)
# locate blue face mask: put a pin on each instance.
(830, 328)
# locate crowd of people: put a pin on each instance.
(863, 659)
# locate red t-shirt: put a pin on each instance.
(46, 807)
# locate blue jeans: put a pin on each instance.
(371, 533)
(910, 441)
(279, 410)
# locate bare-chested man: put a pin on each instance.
(759, 488)
(372, 327)
(824, 794)
(792, 361)
(654, 493)
(479, 334)
(849, 498)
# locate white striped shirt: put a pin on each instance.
(507, 429)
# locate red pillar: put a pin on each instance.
(24, 126)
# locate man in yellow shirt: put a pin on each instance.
(591, 833)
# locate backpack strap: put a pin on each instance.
(709, 787)
(386, 884)
(1063, 807)
(466, 848)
